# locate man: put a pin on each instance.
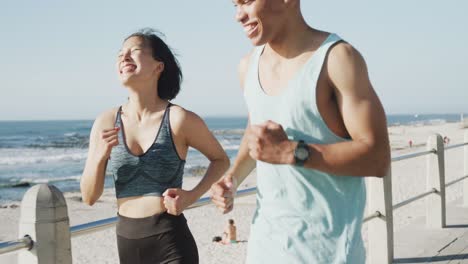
(316, 128)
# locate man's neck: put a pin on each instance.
(293, 39)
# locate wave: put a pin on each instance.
(195, 170)
(228, 132)
(66, 140)
(230, 146)
(422, 119)
(27, 182)
(436, 121)
(77, 140)
(71, 140)
(427, 122)
(23, 157)
(71, 134)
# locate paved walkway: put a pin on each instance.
(417, 244)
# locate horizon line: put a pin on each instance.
(220, 116)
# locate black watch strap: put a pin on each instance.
(299, 162)
(301, 153)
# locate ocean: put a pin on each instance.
(54, 152)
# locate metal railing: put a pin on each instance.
(378, 214)
(15, 245)
(91, 227)
(413, 155)
(380, 234)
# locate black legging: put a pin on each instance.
(161, 239)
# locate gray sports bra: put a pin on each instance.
(151, 173)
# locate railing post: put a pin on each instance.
(465, 170)
(44, 218)
(380, 229)
(435, 179)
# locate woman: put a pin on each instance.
(146, 142)
(230, 233)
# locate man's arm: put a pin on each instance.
(222, 192)
(243, 164)
(368, 151)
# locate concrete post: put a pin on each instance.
(465, 170)
(44, 217)
(463, 121)
(380, 230)
(435, 179)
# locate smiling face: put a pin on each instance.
(262, 20)
(135, 62)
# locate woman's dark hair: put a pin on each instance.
(171, 77)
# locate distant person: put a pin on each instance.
(446, 140)
(410, 143)
(316, 128)
(230, 233)
(145, 141)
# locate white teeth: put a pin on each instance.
(249, 28)
(129, 67)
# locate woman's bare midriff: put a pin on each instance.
(140, 206)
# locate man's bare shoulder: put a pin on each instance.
(345, 64)
(343, 55)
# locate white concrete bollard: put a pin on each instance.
(465, 170)
(435, 179)
(44, 217)
(463, 121)
(380, 230)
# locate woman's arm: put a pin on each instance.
(102, 138)
(197, 135)
(200, 138)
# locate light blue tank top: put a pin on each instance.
(302, 215)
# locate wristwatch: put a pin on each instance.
(301, 153)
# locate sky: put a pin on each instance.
(57, 57)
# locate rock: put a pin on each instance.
(21, 185)
(197, 171)
(76, 198)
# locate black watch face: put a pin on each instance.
(302, 153)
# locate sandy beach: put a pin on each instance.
(206, 222)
